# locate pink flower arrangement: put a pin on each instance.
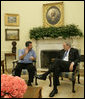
(12, 87)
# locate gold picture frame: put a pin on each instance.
(11, 19)
(53, 14)
(11, 34)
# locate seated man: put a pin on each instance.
(26, 58)
(66, 61)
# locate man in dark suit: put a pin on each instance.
(66, 61)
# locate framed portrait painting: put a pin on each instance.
(12, 34)
(11, 19)
(53, 14)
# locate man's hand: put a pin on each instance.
(71, 67)
(32, 58)
(26, 50)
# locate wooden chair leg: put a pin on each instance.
(78, 78)
(50, 81)
(36, 81)
(36, 78)
(13, 65)
(73, 86)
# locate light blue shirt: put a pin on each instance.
(26, 58)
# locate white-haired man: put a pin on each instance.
(66, 61)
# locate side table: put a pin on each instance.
(9, 54)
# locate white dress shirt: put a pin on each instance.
(66, 58)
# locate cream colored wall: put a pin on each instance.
(31, 16)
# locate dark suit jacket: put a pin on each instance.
(73, 55)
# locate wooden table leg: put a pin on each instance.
(3, 68)
(2, 64)
(5, 63)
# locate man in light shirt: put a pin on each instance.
(66, 61)
(26, 58)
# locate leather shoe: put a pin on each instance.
(53, 93)
(42, 77)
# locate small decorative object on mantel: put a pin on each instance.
(14, 47)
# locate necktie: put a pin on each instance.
(65, 54)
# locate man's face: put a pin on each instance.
(64, 46)
(30, 46)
